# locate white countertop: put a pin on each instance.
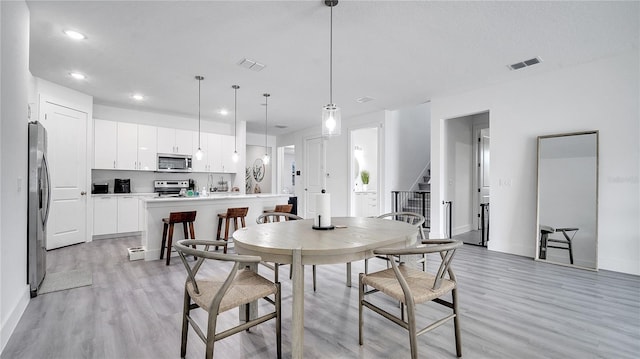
(144, 194)
(213, 196)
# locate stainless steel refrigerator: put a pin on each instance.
(38, 206)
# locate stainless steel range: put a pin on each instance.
(170, 187)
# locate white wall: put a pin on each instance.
(407, 153)
(16, 82)
(111, 113)
(601, 95)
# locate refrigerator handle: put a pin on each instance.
(45, 164)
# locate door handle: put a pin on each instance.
(83, 193)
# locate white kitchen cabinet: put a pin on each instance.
(171, 140)
(203, 164)
(115, 214)
(366, 204)
(127, 146)
(105, 144)
(226, 150)
(127, 214)
(215, 149)
(105, 215)
(147, 143)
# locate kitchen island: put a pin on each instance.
(156, 208)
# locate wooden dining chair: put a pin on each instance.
(215, 296)
(412, 218)
(270, 217)
(412, 286)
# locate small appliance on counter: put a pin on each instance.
(100, 188)
(122, 185)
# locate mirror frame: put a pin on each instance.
(537, 255)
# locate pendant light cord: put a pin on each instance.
(266, 107)
(199, 81)
(235, 116)
(331, 58)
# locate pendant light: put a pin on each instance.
(331, 119)
(199, 152)
(235, 157)
(266, 158)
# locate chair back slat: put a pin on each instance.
(237, 212)
(276, 217)
(178, 217)
(283, 208)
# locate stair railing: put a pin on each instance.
(413, 201)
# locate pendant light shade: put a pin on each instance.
(331, 119)
(235, 157)
(266, 157)
(199, 152)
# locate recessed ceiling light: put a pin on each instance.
(77, 75)
(74, 35)
(137, 97)
(223, 112)
(364, 99)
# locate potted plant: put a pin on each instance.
(364, 176)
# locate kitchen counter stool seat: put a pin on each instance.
(187, 219)
(233, 215)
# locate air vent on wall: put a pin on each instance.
(251, 64)
(523, 64)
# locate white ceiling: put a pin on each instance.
(401, 53)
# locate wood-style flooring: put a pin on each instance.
(511, 307)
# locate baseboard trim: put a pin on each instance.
(13, 318)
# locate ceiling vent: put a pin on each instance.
(523, 64)
(251, 64)
(364, 99)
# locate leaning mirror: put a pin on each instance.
(568, 199)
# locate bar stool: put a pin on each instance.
(176, 217)
(280, 208)
(232, 216)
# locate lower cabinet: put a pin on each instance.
(115, 214)
(366, 204)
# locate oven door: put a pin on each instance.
(174, 163)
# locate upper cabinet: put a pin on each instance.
(105, 144)
(130, 146)
(171, 140)
(125, 146)
(227, 149)
(218, 151)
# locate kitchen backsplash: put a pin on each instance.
(142, 182)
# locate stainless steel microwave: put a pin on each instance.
(169, 162)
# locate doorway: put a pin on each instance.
(467, 176)
(364, 175)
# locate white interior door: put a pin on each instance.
(67, 148)
(314, 173)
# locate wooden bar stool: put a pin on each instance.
(233, 214)
(280, 208)
(176, 217)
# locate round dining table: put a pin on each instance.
(298, 244)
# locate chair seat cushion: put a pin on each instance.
(420, 283)
(247, 287)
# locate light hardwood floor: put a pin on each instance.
(511, 307)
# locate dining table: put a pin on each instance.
(297, 243)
